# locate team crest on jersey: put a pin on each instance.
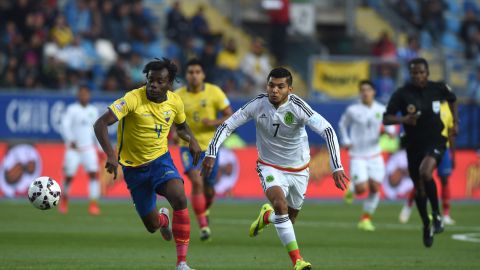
(203, 103)
(167, 115)
(378, 115)
(411, 108)
(120, 105)
(289, 118)
(269, 178)
(436, 106)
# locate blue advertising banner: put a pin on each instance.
(37, 116)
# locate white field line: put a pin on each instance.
(467, 237)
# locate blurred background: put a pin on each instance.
(48, 48)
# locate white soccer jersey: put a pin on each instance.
(77, 125)
(360, 128)
(280, 133)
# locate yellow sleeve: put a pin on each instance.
(180, 117)
(221, 102)
(124, 105)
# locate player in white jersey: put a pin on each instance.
(80, 144)
(283, 155)
(360, 130)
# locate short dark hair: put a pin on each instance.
(158, 64)
(194, 62)
(417, 61)
(281, 72)
(362, 82)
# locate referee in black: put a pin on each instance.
(418, 102)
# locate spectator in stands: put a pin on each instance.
(409, 10)
(208, 57)
(384, 47)
(178, 28)
(405, 54)
(468, 30)
(384, 84)
(279, 21)
(228, 64)
(199, 24)
(61, 32)
(74, 56)
(141, 28)
(432, 18)
(256, 65)
(119, 73)
(135, 69)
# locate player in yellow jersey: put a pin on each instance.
(446, 166)
(203, 102)
(146, 115)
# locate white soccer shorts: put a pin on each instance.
(293, 184)
(362, 169)
(73, 158)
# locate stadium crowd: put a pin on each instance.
(104, 44)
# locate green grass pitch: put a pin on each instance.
(326, 233)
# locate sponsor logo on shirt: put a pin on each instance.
(263, 116)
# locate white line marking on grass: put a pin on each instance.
(467, 237)
(347, 225)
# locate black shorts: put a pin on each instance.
(416, 153)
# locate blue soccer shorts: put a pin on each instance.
(445, 166)
(144, 181)
(187, 161)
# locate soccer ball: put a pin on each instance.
(44, 193)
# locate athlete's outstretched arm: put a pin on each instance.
(184, 132)
(239, 118)
(322, 127)
(101, 132)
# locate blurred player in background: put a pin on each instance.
(80, 144)
(444, 169)
(360, 129)
(284, 155)
(146, 115)
(203, 102)
(419, 103)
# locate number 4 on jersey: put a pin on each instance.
(158, 130)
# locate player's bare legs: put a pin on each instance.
(370, 204)
(174, 192)
(292, 214)
(280, 217)
(94, 193)
(63, 207)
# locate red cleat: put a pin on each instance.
(93, 209)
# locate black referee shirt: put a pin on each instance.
(426, 101)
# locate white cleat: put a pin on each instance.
(166, 231)
(183, 266)
(447, 220)
(405, 214)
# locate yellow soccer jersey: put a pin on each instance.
(447, 119)
(201, 105)
(144, 125)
